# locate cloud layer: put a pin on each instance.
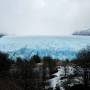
(44, 17)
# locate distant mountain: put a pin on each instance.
(1, 35)
(84, 33)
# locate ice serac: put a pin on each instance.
(58, 54)
(84, 33)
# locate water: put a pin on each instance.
(56, 47)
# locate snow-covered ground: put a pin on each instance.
(57, 81)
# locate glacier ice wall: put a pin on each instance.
(56, 47)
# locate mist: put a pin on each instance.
(44, 17)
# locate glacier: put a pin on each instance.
(63, 47)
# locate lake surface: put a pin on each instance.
(56, 47)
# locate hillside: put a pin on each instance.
(1, 35)
(84, 33)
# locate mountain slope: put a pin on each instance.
(84, 33)
(1, 35)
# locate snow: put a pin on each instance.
(57, 81)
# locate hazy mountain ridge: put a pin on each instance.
(1, 35)
(84, 33)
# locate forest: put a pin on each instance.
(32, 74)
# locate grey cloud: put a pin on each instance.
(44, 17)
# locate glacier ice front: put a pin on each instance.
(56, 47)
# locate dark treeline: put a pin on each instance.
(31, 74)
(83, 58)
(21, 74)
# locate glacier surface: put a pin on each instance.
(57, 47)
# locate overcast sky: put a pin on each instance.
(44, 17)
